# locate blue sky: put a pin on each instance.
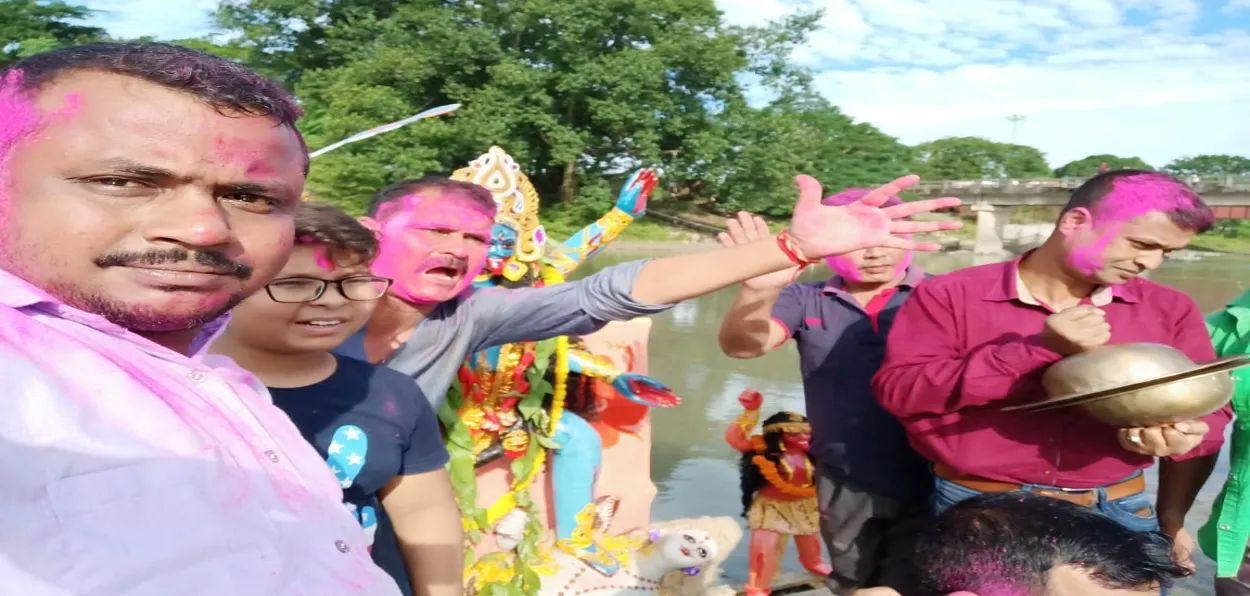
(1157, 79)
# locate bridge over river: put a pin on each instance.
(993, 200)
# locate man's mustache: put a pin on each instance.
(220, 263)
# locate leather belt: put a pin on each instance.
(1082, 496)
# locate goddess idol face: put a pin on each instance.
(503, 240)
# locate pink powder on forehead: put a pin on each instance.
(322, 257)
(240, 151)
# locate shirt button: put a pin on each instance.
(198, 376)
(342, 546)
(1226, 528)
(273, 457)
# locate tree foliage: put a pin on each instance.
(578, 91)
(975, 158)
(28, 27)
(1088, 167)
(1210, 165)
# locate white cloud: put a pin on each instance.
(1127, 77)
(163, 19)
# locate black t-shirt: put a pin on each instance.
(371, 424)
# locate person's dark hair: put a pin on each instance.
(347, 241)
(227, 86)
(1012, 540)
(431, 184)
(1120, 194)
(752, 479)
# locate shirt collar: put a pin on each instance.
(913, 276)
(1011, 287)
(19, 294)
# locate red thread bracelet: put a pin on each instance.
(783, 241)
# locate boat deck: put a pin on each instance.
(795, 584)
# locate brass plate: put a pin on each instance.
(1216, 366)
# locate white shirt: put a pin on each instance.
(129, 469)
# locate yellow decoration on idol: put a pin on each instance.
(517, 204)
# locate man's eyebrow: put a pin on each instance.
(133, 167)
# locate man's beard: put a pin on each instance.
(139, 319)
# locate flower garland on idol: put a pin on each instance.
(509, 573)
(769, 470)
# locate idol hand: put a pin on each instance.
(748, 228)
(818, 231)
(1164, 441)
(637, 191)
(645, 390)
(751, 400)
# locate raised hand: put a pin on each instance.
(637, 191)
(818, 231)
(748, 228)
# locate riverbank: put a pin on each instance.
(1228, 237)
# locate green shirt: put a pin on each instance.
(1224, 536)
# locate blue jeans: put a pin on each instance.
(1123, 511)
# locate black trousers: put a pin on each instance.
(860, 531)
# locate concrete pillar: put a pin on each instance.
(989, 229)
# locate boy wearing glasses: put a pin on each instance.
(376, 430)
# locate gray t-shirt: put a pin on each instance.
(456, 328)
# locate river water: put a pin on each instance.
(696, 472)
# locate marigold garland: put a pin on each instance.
(769, 470)
(516, 570)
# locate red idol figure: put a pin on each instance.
(778, 493)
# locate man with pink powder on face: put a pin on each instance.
(868, 478)
(145, 189)
(433, 241)
(969, 342)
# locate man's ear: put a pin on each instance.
(1074, 220)
(371, 224)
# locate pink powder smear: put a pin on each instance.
(1130, 197)
(842, 265)
(18, 116)
(235, 151)
(406, 257)
(1135, 196)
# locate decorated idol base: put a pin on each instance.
(626, 471)
(616, 551)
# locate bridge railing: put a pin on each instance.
(1035, 185)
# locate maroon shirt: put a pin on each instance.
(968, 343)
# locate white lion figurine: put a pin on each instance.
(675, 558)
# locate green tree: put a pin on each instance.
(772, 144)
(1088, 167)
(28, 27)
(975, 158)
(1210, 165)
(576, 90)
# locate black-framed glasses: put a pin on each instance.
(306, 289)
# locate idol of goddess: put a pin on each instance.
(778, 491)
(523, 401)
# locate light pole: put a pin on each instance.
(1014, 119)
